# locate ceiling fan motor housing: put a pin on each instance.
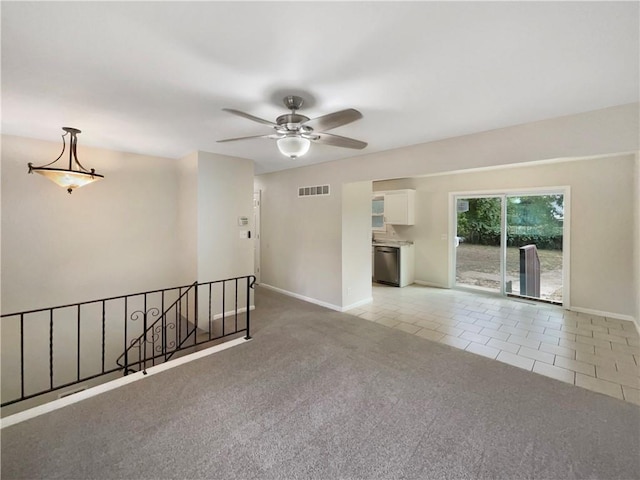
(291, 121)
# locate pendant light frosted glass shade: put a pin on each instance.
(69, 178)
(293, 146)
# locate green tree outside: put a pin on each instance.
(535, 219)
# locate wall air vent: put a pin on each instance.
(316, 191)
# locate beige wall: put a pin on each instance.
(308, 265)
(301, 237)
(114, 237)
(152, 223)
(636, 238)
(225, 192)
(109, 238)
(601, 226)
(187, 227)
(356, 243)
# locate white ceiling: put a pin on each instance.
(152, 78)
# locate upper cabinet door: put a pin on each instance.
(399, 207)
(377, 213)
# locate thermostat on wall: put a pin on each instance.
(243, 221)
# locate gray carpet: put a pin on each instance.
(323, 395)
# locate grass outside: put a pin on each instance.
(479, 265)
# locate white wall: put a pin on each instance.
(187, 227)
(301, 237)
(611, 130)
(293, 259)
(636, 238)
(601, 228)
(109, 238)
(225, 192)
(152, 223)
(113, 237)
(356, 243)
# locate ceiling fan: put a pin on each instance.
(294, 132)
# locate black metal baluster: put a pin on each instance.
(210, 323)
(103, 334)
(224, 295)
(164, 330)
(126, 347)
(248, 325)
(178, 321)
(187, 318)
(144, 332)
(236, 309)
(51, 348)
(177, 334)
(21, 355)
(78, 347)
(195, 328)
(153, 344)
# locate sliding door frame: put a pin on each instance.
(564, 190)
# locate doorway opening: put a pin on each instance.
(513, 244)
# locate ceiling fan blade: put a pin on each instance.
(338, 141)
(333, 120)
(250, 117)
(244, 138)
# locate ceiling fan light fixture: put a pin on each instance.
(293, 146)
(294, 132)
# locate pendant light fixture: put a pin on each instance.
(68, 178)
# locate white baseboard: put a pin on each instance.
(357, 304)
(315, 300)
(302, 297)
(232, 312)
(599, 313)
(429, 284)
(105, 387)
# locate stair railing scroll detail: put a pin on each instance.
(157, 336)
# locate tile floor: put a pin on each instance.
(596, 353)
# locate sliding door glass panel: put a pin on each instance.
(478, 253)
(534, 246)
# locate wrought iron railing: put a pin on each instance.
(51, 349)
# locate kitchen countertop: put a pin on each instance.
(391, 243)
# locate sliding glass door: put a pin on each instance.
(534, 238)
(512, 244)
(478, 252)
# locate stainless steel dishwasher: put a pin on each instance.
(386, 265)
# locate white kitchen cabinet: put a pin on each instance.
(399, 207)
(407, 265)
